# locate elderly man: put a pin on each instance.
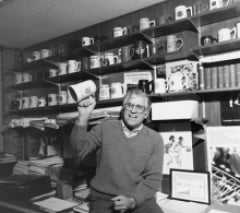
(129, 157)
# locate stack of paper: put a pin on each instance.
(82, 208)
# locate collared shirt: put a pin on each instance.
(132, 133)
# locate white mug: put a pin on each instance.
(74, 66)
(25, 102)
(86, 41)
(52, 99)
(225, 34)
(18, 78)
(104, 92)
(174, 43)
(117, 90)
(53, 73)
(182, 11)
(82, 90)
(62, 68)
(33, 101)
(27, 77)
(42, 102)
(119, 31)
(95, 61)
(36, 55)
(110, 58)
(69, 98)
(62, 98)
(45, 53)
(145, 23)
(216, 4)
(161, 85)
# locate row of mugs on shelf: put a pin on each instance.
(224, 34)
(23, 77)
(34, 101)
(36, 55)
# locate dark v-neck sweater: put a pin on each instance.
(127, 166)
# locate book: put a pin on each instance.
(54, 205)
(82, 208)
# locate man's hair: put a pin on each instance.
(137, 92)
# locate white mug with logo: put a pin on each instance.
(42, 102)
(62, 98)
(174, 43)
(18, 78)
(95, 61)
(53, 73)
(225, 34)
(119, 31)
(36, 55)
(45, 53)
(33, 101)
(117, 90)
(183, 11)
(161, 85)
(216, 4)
(145, 23)
(74, 66)
(86, 41)
(62, 68)
(27, 77)
(104, 92)
(25, 102)
(82, 90)
(52, 99)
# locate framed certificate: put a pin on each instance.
(190, 186)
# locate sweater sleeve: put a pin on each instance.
(152, 174)
(84, 142)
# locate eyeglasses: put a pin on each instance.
(138, 108)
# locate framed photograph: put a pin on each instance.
(189, 185)
(178, 152)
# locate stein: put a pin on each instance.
(146, 86)
(174, 43)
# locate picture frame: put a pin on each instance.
(188, 185)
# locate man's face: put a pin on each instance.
(131, 115)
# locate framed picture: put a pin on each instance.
(178, 152)
(189, 185)
(223, 154)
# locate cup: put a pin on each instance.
(18, 78)
(42, 102)
(82, 90)
(69, 98)
(125, 53)
(109, 59)
(205, 40)
(62, 68)
(174, 43)
(25, 102)
(183, 11)
(225, 34)
(95, 61)
(104, 92)
(216, 4)
(27, 77)
(199, 7)
(117, 90)
(161, 86)
(145, 23)
(119, 31)
(62, 98)
(52, 99)
(36, 55)
(53, 73)
(33, 101)
(86, 41)
(146, 86)
(45, 53)
(74, 66)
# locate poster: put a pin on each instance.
(223, 153)
(178, 153)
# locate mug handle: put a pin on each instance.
(190, 9)
(92, 40)
(233, 33)
(152, 23)
(181, 43)
(125, 30)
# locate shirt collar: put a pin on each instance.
(124, 128)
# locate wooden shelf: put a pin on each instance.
(171, 28)
(29, 85)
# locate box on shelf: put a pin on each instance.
(186, 109)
